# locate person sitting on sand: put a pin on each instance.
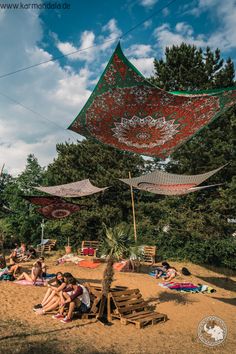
(44, 267)
(161, 271)
(51, 299)
(36, 273)
(31, 253)
(77, 296)
(13, 257)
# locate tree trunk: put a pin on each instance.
(108, 276)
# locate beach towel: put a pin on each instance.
(69, 258)
(153, 274)
(27, 282)
(187, 287)
(183, 287)
(7, 277)
(120, 266)
(88, 264)
(48, 275)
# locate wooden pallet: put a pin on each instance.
(130, 307)
(89, 244)
(47, 247)
(97, 301)
(149, 255)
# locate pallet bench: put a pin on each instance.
(130, 307)
(50, 245)
(90, 246)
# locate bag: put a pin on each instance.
(185, 271)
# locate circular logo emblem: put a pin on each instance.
(212, 331)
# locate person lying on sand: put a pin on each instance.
(36, 273)
(51, 299)
(76, 296)
(171, 273)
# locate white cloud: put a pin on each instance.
(144, 65)
(140, 50)
(56, 93)
(114, 33)
(223, 14)
(183, 33)
(165, 12)
(148, 3)
(104, 42)
(147, 24)
(86, 41)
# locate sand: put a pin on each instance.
(22, 331)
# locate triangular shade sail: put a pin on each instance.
(72, 190)
(168, 183)
(128, 112)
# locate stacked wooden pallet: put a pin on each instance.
(50, 245)
(130, 307)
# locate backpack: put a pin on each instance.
(185, 271)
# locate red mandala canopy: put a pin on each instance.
(41, 200)
(128, 112)
(53, 207)
(59, 210)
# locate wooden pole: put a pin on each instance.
(2, 169)
(133, 210)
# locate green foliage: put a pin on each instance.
(188, 68)
(117, 241)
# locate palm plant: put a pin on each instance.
(115, 246)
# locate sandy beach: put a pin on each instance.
(22, 331)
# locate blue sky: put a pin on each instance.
(58, 90)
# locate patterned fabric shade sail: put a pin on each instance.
(72, 190)
(170, 184)
(59, 210)
(53, 207)
(41, 200)
(128, 112)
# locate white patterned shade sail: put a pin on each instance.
(72, 190)
(160, 182)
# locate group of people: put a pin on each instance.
(22, 253)
(66, 295)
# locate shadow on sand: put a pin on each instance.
(231, 301)
(224, 283)
(181, 299)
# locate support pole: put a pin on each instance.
(2, 169)
(133, 210)
(42, 236)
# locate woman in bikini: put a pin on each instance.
(36, 273)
